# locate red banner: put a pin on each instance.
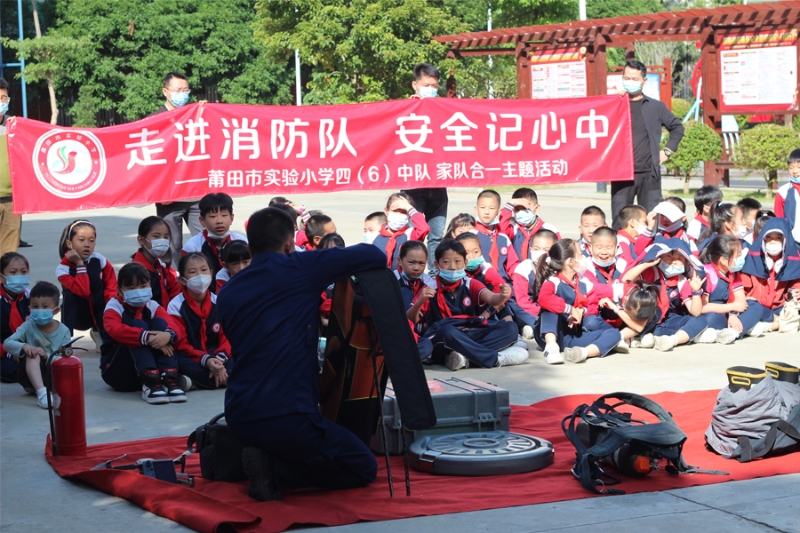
(242, 150)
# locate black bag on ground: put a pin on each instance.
(220, 452)
(601, 433)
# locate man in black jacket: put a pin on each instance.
(648, 116)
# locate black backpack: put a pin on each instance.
(633, 447)
(220, 452)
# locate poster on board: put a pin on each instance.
(558, 74)
(652, 89)
(758, 71)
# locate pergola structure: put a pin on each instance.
(706, 26)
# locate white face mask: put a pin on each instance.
(774, 248)
(536, 255)
(198, 284)
(370, 236)
(396, 221)
(741, 232)
(583, 265)
(159, 247)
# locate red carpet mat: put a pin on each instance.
(217, 506)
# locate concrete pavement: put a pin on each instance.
(34, 498)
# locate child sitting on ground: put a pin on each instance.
(461, 223)
(705, 197)
(524, 279)
(606, 267)
(457, 322)
(787, 201)
(153, 242)
(235, 257)
(520, 220)
(591, 218)
(495, 245)
(725, 219)
(36, 338)
(137, 353)
(635, 236)
(403, 223)
(15, 305)
(417, 288)
(372, 226)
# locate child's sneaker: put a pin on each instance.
(169, 378)
(664, 343)
(727, 336)
(513, 355)
(527, 332)
(521, 344)
(552, 355)
(455, 361)
(766, 327)
(708, 336)
(98, 340)
(41, 400)
(622, 347)
(185, 383)
(648, 340)
(576, 354)
(152, 391)
(756, 331)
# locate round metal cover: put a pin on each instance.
(481, 454)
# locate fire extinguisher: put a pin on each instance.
(65, 402)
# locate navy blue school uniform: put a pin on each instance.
(391, 241)
(200, 337)
(203, 244)
(270, 314)
(722, 289)
(455, 323)
(125, 353)
(411, 289)
(86, 290)
(14, 310)
(497, 250)
(557, 297)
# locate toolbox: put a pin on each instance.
(462, 405)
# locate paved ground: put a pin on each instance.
(33, 498)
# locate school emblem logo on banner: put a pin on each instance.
(69, 164)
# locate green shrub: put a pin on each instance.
(765, 148)
(700, 143)
(680, 107)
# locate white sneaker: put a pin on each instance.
(648, 340)
(727, 336)
(552, 355)
(156, 395)
(455, 361)
(708, 336)
(756, 331)
(41, 401)
(575, 355)
(521, 343)
(98, 340)
(513, 355)
(622, 347)
(185, 383)
(527, 332)
(664, 343)
(767, 327)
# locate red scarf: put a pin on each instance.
(611, 270)
(392, 244)
(441, 289)
(729, 279)
(14, 318)
(214, 246)
(494, 253)
(528, 234)
(201, 310)
(580, 298)
(702, 220)
(158, 270)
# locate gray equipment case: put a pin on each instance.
(462, 405)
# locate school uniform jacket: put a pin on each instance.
(410, 290)
(522, 284)
(197, 326)
(13, 313)
(769, 280)
(721, 288)
(163, 280)
(675, 293)
(119, 316)
(630, 248)
(391, 241)
(497, 249)
(223, 277)
(487, 275)
(458, 300)
(521, 235)
(560, 295)
(696, 227)
(95, 281)
(202, 243)
(787, 206)
(606, 275)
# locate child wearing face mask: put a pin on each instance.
(670, 265)
(605, 268)
(458, 319)
(725, 306)
(202, 350)
(771, 273)
(235, 257)
(668, 221)
(153, 241)
(403, 223)
(15, 302)
(87, 280)
(524, 279)
(564, 303)
(787, 201)
(520, 220)
(372, 226)
(724, 219)
(137, 353)
(36, 339)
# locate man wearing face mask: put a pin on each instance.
(10, 224)
(270, 313)
(176, 93)
(429, 201)
(648, 116)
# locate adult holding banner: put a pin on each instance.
(10, 224)
(648, 116)
(431, 202)
(176, 93)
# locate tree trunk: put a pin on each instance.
(50, 87)
(686, 183)
(772, 180)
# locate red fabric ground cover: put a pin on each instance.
(218, 506)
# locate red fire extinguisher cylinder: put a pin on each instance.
(69, 413)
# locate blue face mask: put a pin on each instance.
(525, 217)
(4, 108)
(428, 92)
(795, 179)
(41, 317)
(738, 265)
(669, 270)
(474, 264)
(631, 87)
(178, 99)
(451, 276)
(138, 297)
(17, 284)
(604, 264)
